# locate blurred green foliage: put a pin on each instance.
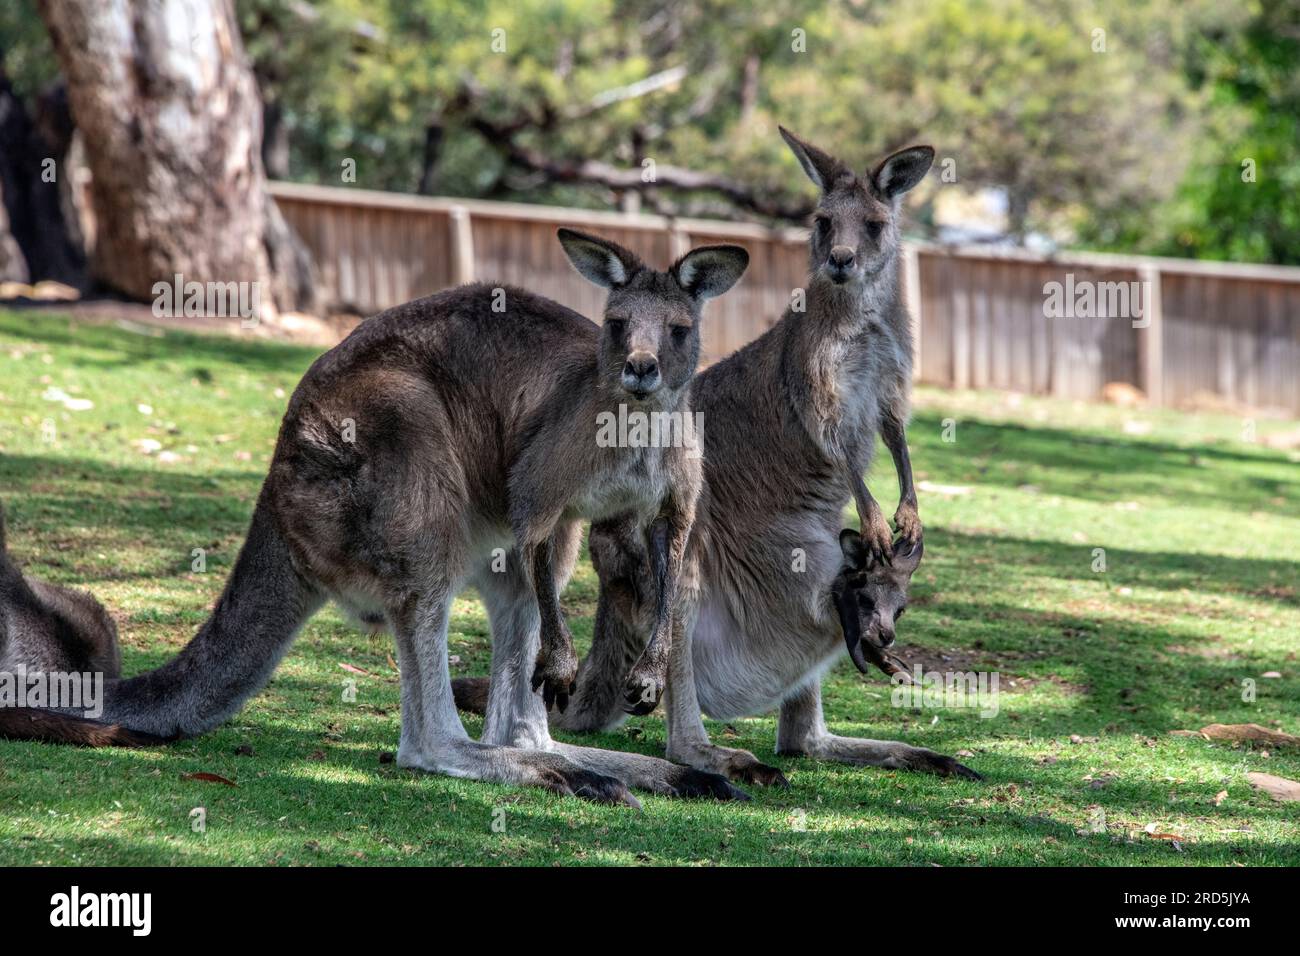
(1121, 124)
(1238, 200)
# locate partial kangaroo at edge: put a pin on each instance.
(48, 629)
(472, 430)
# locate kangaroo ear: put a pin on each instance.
(899, 172)
(854, 551)
(822, 168)
(907, 556)
(604, 262)
(709, 271)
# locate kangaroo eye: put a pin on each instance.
(874, 229)
(899, 613)
(823, 225)
(615, 327)
(680, 334)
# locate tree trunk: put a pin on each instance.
(35, 239)
(275, 144)
(169, 109)
(433, 134)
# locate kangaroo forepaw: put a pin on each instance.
(643, 691)
(908, 522)
(556, 675)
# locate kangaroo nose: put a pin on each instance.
(641, 366)
(886, 637)
(641, 373)
(842, 257)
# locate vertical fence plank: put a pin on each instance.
(460, 245)
(978, 316)
(1150, 338)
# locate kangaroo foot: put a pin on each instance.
(653, 774)
(738, 765)
(877, 537)
(512, 765)
(890, 754)
(908, 522)
(588, 785)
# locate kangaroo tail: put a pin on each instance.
(471, 694)
(259, 613)
(27, 723)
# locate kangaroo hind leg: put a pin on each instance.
(434, 739)
(517, 717)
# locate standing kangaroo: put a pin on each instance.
(438, 433)
(792, 420)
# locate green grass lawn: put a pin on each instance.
(1201, 532)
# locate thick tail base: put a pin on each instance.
(471, 694)
(26, 723)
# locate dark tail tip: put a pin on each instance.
(471, 694)
(26, 723)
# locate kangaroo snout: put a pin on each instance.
(841, 262)
(880, 629)
(641, 373)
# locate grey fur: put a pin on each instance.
(792, 420)
(473, 430)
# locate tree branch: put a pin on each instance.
(504, 136)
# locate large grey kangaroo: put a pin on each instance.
(434, 434)
(771, 594)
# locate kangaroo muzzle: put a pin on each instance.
(840, 263)
(641, 374)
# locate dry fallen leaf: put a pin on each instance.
(353, 669)
(1220, 797)
(1279, 788)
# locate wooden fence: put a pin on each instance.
(987, 318)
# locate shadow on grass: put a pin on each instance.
(1006, 557)
(1102, 468)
